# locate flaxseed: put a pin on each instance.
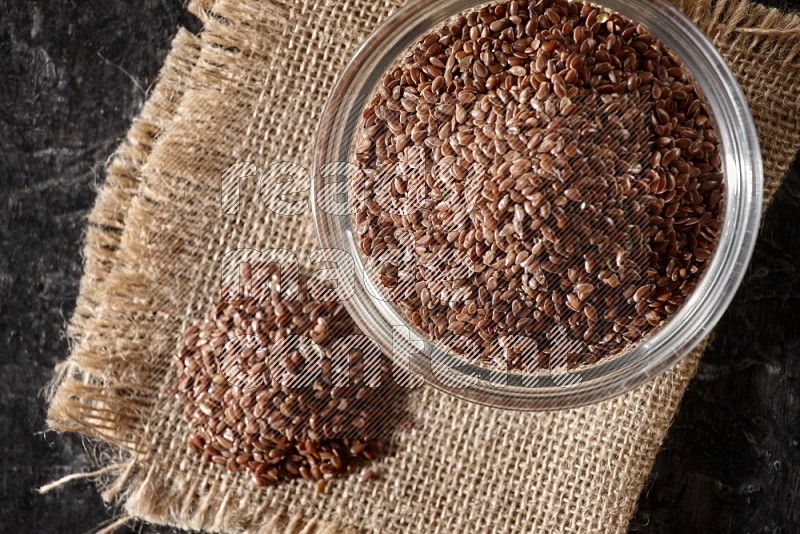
(245, 394)
(543, 169)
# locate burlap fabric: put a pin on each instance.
(252, 88)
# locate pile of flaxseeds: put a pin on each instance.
(542, 169)
(261, 398)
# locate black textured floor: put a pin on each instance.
(73, 75)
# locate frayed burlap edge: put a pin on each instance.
(106, 221)
(88, 396)
(762, 46)
(105, 225)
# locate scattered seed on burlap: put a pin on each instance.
(275, 408)
(538, 169)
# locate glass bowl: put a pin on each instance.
(559, 388)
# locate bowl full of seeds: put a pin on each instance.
(545, 203)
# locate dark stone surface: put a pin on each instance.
(731, 461)
(73, 75)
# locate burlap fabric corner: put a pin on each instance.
(251, 87)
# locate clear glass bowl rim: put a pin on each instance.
(742, 168)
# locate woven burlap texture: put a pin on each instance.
(253, 87)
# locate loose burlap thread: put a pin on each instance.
(251, 88)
